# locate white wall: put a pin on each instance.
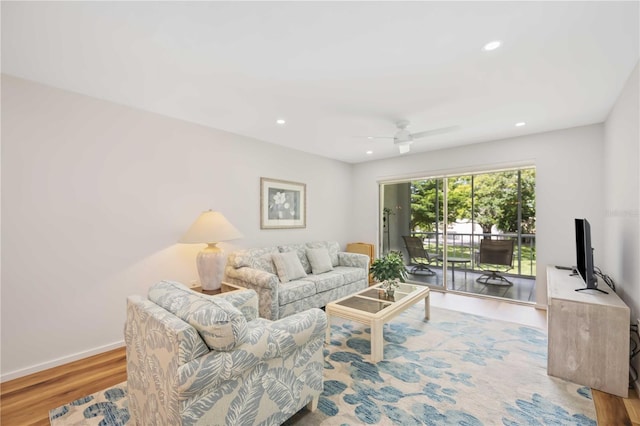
(568, 185)
(95, 196)
(622, 196)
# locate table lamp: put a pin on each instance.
(210, 228)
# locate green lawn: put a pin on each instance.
(528, 260)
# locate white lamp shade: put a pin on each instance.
(210, 227)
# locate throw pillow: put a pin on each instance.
(220, 324)
(288, 266)
(300, 249)
(320, 260)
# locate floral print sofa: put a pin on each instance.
(255, 269)
(194, 359)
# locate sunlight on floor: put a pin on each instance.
(496, 309)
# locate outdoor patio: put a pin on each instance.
(523, 289)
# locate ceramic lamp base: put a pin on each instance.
(210, 263)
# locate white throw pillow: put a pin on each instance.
(288, 266)
(320, 260)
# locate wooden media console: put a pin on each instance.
(588, 332)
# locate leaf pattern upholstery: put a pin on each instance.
(277, 299)
(221, 325)
(175, 379)
(264, 283)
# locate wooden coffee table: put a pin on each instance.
(373, 308)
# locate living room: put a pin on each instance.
(103, 191)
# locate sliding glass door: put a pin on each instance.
(450, 216)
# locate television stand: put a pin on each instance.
(592, 288)
(588, 335)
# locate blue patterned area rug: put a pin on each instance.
(456, 369)
(104, 408)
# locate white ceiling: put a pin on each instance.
(336, 71)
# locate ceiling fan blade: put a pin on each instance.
(434, 132)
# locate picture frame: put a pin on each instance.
(283, 204)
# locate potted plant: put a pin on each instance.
(389, 270)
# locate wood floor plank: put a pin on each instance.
(632, 404)
(27, 400)
(610, 409)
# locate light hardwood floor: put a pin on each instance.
(27, 400)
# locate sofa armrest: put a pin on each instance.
(245, 300)
(353, 259)
(255, 277)
(303, 327)
(158, 344)
(300, 335)
(264, 283)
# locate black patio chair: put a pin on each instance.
(419, 258)
(496, 258)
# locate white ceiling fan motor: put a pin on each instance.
(403, 138)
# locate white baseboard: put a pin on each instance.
(59, 361)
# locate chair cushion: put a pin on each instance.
(288, 266)
(221, 325)
(319, 260)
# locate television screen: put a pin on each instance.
(584, 253)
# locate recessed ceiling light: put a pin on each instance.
(369, 152)
(492, 45)
(369, 137)
(520, 124)
(280, 121)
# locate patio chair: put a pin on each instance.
(419, 258)
(496, 258)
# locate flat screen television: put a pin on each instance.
(584, 255)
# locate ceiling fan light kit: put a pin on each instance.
(404, 147)
(403, 138)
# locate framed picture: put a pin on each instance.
(283, 204)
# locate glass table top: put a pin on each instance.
(375, 299)
(378, 293)
(362, 304)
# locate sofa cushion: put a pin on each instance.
(332, 247)
(301, 251)
(295, 290)
(319, 260)
(327, 281)
(288, 266)
(351, 273)
(219, 323)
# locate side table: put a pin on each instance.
(224, 288)
(453, 261)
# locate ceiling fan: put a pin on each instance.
(403, 138)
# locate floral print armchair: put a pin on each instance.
(194, 359)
